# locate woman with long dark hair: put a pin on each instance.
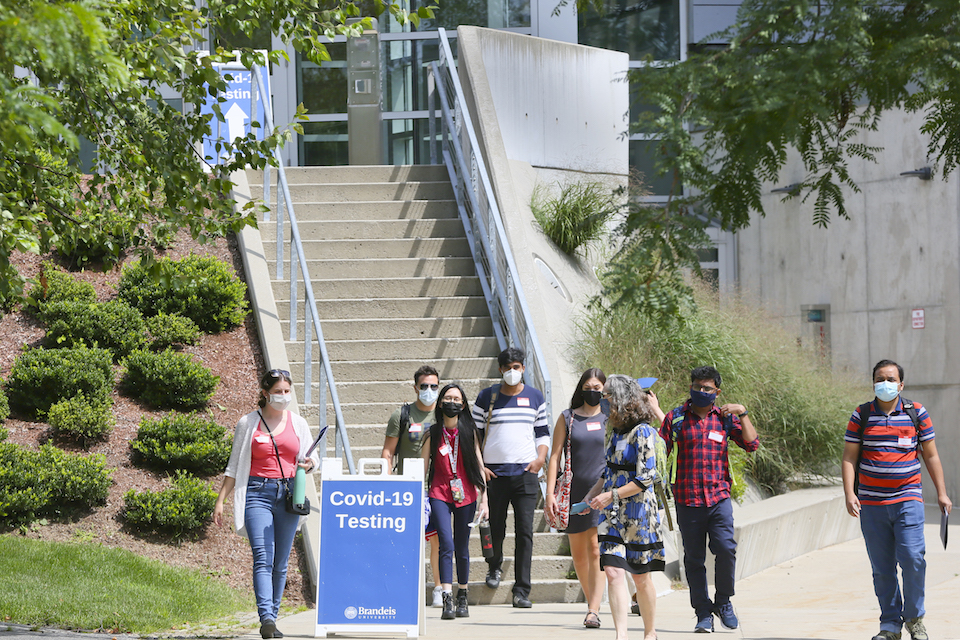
(456, 490)
(630, 536)
(268, 445)
(587, 422)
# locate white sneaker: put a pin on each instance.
(437, 597)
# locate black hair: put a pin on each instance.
(269, 379)
(706, 373)
(425, 370)
(577, 399)
(629, 404)
(510, 355)
(887, 363)
(466, 435)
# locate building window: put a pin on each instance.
(637, 27)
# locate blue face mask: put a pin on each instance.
(886, 390)
(428, 396)
(701, 399)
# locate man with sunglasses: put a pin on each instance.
(405, 431)
(701, 431)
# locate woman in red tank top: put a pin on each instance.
(456, 489)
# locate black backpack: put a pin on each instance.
(865, 410)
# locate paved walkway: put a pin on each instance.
(827, 594)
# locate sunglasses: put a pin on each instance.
(425, 386)
(278, 373)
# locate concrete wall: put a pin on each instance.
(898, 252)
(556, 108)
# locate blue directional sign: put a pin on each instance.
(371, 551)
(237, 108)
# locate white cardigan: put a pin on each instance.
(239, 465)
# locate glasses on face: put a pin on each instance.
(456, 401)
(697, 387)
(278, 373)
(433, 387)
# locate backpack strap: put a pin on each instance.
(911, 410)
(675, 426)
(494, 391)
(404, 428)
(864, 410)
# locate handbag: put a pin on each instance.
(560, 520)
(288, 504)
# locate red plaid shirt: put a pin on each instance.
(703, 474)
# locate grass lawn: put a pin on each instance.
(88, 586)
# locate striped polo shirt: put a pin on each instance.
(890, 465)
(518, 425)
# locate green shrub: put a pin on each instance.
(576, 216)
(56, 286)
(48, 482)
(171, 329)
(113, 325)
(4, 405)
(81, 418)
(95, 235)
(201, 288)
(183, 441)
(42, 377)
(168, 380)
(798, 405)
(182, 508)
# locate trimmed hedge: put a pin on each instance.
(171, 330)
(82, 418)
(57, 286)
(48, 482)
(182, 508)
(42, 377)
(113, 325)
(182, 441)
(168, 380)
(202, 288)
(4, 405)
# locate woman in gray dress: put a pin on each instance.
(587, 420)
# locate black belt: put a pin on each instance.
(621, 467)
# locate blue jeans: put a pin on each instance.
(695, 523)
(271, 530)
(894, 535)
(453, 539)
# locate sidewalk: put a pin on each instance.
(827, 594)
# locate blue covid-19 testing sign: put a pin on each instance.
(238, 108)
(371, 550)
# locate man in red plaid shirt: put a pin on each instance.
(701, 430)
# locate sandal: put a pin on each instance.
(592, 621)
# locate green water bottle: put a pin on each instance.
(299, 486)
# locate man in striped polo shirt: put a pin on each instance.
(516, 439)
(889, 500)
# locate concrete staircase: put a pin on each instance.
(396, 287)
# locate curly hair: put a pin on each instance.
(628, 403)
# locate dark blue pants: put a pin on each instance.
(453, 531)
(695, 524)
(522, 492)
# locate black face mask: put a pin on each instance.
(451, 409)
(592, 396)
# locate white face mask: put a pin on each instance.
(428, 396)
(279, 401)
(512, 377)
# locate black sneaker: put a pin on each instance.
(448, 613)
(493, 578)
(522, 602)
(267, 629)
(463, 609)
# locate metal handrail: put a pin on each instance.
(482, 222)
(311, 318)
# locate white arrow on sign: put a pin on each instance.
(236, 121)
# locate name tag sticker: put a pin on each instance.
(444, 449)
(593, 426)
(523, 402)
(621, 445)
(416, 427)
(716, 436)
(263, 439)
(905, 442)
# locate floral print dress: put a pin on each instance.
(629, 531)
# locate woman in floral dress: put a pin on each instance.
(629, 531)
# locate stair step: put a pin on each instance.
(379, 249)
(423, 349)
(355, 173)
(361, 191)
(395, 329)
(371, 210)
(330, 228)
(399, 309)
(345, 371)
(375, 398)
(412, 287)
(334, 267)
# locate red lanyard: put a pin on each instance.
(453, 459)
